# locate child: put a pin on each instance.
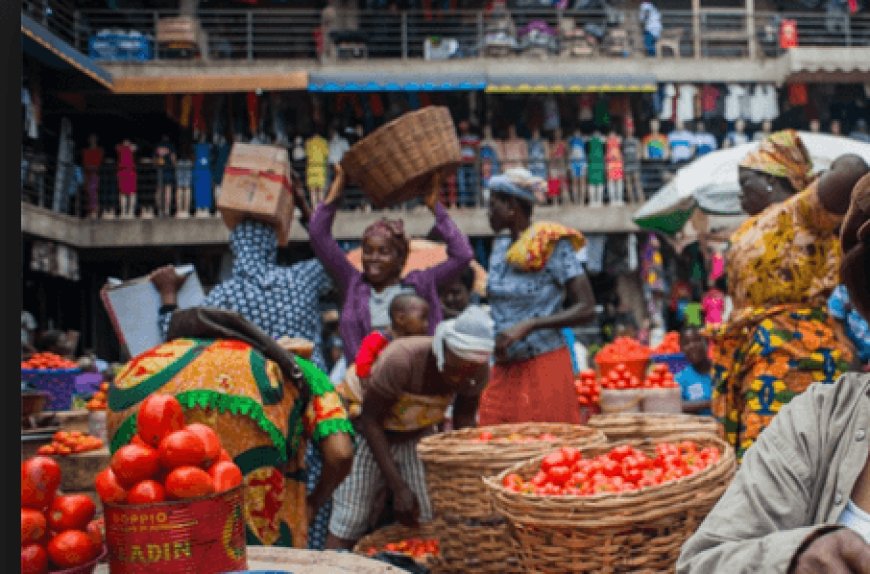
(409, 315)
(694, 380)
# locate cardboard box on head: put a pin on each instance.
(257, 185)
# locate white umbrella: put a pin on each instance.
(711, 182)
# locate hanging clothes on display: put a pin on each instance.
(551, 113)
(669, 94)
(203, 197)
(538, 157)
(686, 102)
(595, 252)
(198, 117)
(710, 101)
(797, 94)
(733, 105)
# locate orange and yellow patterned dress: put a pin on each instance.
(782, 265)
(262, 421)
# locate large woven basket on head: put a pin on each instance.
(637, 531)
(379, 539)
(456, 463)
(638, 426)
(394, 162)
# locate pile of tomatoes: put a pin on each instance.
(588, 389)
(619, 378)
(100, 400)
(417, 548)
(565, 472)
(659, 377)
(670, 345)
(487, 436)
(167, 460)
(58, 531)
(46, 361)
(622, 349)
(70, 442)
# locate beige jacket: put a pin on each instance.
(793, 483)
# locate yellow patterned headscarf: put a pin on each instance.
(782, 154)
(533, 248)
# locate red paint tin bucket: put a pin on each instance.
(202, 535)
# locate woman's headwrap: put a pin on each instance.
(394, 231)
(470, 336)
(782, 154)
(519, 182)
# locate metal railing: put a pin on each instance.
(59, 16)
(301, 34)
(76, 194)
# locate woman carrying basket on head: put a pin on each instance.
(782, 265)
(366, 294)
(533, 272)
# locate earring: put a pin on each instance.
(769, 188)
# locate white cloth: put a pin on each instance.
(735, 138)
(732, 101)
(667, 112)
(470, 337)
(758, 105)
(336, 375)
(772, 102)
(651, 18)
(338, 146)
(686, 102)
(856, 519)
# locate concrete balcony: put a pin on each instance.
(349, 225)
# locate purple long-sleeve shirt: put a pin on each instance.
(355, 320)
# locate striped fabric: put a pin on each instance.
(353, 501)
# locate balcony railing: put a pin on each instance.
(304, 34)
(69, 190)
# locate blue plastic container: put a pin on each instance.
(59, 383)
(676, 362)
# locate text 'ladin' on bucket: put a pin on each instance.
(151, 553)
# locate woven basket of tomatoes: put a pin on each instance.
(53, 374)
(456, 462)
(639, 426)
(421, 544)
(624, 507)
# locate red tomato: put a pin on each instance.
(225, 476)
(553, 459)
(145, 492)
(133, 463)
(188, 482)
(225, 456)
(72, 548)
(34, 559)
(485, 436)
(108, 488)
(33, 525)
(559, 474)
(209, 439)
(97, 531)
(71, 512)
(570, 454)
(159, 414)
(182, 448)
(40, 479)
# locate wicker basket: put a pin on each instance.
(479, 546)
(640, 531)
(393, 163)
(455, 462)
(631, 426)
(395, 532)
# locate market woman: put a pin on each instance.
(533, 273)
(265, 403)
(366, 295)
(782, 265)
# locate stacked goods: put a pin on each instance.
(257, 185)
(394, 163)
(456, 462)
(179, 482)
(419, 544)
(656, 392)
(53, 374)
(619, 508)
(652, 425)
(669, 353)
(58, 531)
(625, 351)
(99, 401)
(588, 393)
(70, 442)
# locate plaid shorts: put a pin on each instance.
(353, 500)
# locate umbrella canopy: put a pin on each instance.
(711, 182)
(423, 254)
